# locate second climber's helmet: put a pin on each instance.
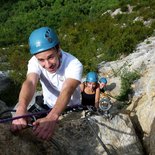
(42, 39)
(103, 80)
(92, 77)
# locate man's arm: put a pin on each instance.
(44, 128)
(64, 97)
(27, 91)
(25, 96)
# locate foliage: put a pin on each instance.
(17, 58)
(85, 29)
(127, 78)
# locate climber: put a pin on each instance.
(60, 75)
(102, 83)
(105, 100)
(90, 90)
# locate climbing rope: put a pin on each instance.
(87, 117)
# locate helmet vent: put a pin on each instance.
(47, 36)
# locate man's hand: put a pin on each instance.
(44, 128)
(18, 124)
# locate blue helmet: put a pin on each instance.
(103, 80)
(92, 77)
(42, 39)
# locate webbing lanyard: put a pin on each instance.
(31, 115)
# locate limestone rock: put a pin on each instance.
(142, 105)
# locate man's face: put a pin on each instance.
(49, 60)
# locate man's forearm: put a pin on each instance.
(60, 105)
(64, 98)
(25, 96)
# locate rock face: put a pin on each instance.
(142, 107)
(117, 134)
(76, 135)
(4, 80)
(24, 143)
